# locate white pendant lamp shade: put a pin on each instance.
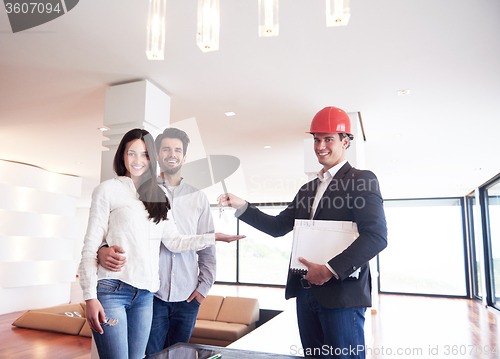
(208, 25)
(338, 12)
(155, 47)
(268, 18)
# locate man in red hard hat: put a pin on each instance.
(333, 296)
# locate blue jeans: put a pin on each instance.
(329, 333)
(133, 310)
(173, 322)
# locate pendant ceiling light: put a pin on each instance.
(268, 18)
(338, 12)
(156, 29)
(208, 25)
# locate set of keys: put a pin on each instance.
(221, 209)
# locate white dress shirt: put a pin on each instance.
(325, 177)
(182, 273)
(324, 180)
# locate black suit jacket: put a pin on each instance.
(353, 195)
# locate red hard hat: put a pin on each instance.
(331, 120)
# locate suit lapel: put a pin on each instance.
(335, 185)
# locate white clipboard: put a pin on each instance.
(319, 241)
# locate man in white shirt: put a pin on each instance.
(186, 278)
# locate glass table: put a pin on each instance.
(198, 351)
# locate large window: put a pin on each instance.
(264, 259)
(425, 252)
(225, 222)
(257, 259)
(492, 199)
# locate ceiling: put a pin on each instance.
(438, 141)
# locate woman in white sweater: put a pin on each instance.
(130, 211)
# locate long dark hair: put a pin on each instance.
(150, 193)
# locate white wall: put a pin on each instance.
(38, 228)
(83, 219)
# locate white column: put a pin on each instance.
(133, 105)
(311, 164)
(38, 228)
(356, 152)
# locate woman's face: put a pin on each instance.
(136, 158)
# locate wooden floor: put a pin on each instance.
(405, 326)
(22, 343)
(422, 327)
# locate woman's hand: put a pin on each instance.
(95, 314)
(227, 237)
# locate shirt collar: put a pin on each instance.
(164, 182)
(331, 172)
(127, 181)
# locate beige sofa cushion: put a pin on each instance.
(209, 308)
(54, 319)
(220, 330)
(239, 310)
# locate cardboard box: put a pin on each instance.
(54, 319)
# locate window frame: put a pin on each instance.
(491, 299)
